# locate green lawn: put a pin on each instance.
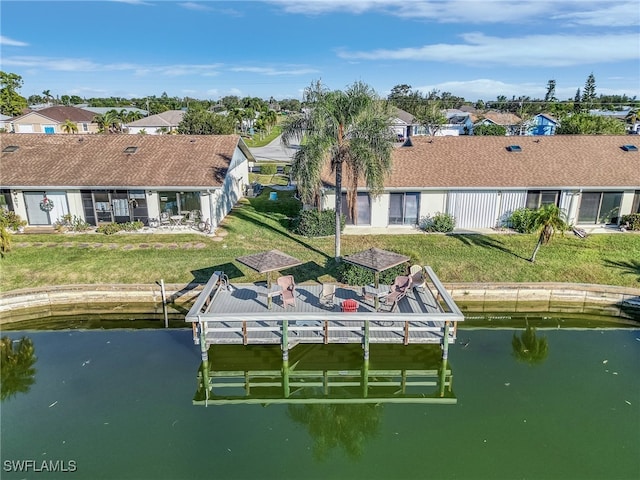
(258, 224)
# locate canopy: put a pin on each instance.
(377, 260)
(267, 262)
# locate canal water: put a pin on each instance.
(118, 404)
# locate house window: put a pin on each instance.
(404, 208)
(635, 208)
(538, 198)
(85, 127)
(178, 203)
(599, 207)
(49, 129)
(363, 202)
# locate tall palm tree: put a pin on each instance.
(349, 129)
(548, 219)
(109, 122)
(47, 96)
(69, 127)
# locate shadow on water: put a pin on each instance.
(479, 240)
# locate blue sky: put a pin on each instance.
(477, 49)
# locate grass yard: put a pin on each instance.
(259, 224)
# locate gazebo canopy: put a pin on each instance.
(265, 262)
(377, 260)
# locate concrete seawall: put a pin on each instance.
(22, 304)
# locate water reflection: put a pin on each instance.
(325, 374)
(530, 348)
(17, 360)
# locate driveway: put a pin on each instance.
(274, 151)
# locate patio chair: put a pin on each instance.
(350, 305)
(398, 290)
(417, 277)
(328, 294)
(192, 218)
(288, 288)
(165, 219)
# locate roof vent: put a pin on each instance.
(630, 148)
(10, 149)
(514, 148)
(130, 150)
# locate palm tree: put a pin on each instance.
(16, 366)
(548, 219)
(47, 96)
(108, 122)
(350, 129)
(69, 127)
(528, 347)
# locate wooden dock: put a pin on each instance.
(248, 314)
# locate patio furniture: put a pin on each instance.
(401, 284)
(165, 221)
(176, 220)
(288, 288)
(417, 277)
(328, 294)
(192, 218)
(350, 305)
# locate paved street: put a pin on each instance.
(275, 151)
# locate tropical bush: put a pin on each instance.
(312, 223)
(111, 228)
(632, 220)
(522, 220)
(440, 222)
(355, 275)
(69, 223)
(11, 220)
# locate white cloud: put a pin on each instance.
(531, 50)
(10, 42)
(195, 6)
(617, 14)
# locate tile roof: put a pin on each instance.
(572, 161)
(101, 161)
(170, 118)
(61, 113)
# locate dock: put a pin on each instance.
(249, 314)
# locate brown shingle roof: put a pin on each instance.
(484, 162)
(100, 160)
(61, 113)
(504, 119)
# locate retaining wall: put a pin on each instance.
(471, 297)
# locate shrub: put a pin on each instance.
(111, 228)
(72, 223)
(268, 169)
(108, 228)
(355, 275)
(11, 220)
(131, 226)
(522, 220)
(633, 220)
(312, 223)
(440, 222)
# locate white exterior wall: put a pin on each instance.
(74, 200)
(19, 206)
(220, 201)
(432, 203)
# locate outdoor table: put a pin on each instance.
(270, 292)
(376, 293)
(176, 220)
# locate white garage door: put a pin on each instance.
(25, 128)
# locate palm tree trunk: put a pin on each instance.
(338, 207)
(535, 250)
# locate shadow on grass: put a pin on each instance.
(631, 267)
(202, 275)
(479, 240)
(247, 217)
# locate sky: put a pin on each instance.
(476, 49)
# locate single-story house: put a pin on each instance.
(121, 178)
(165, 122)
(5, 122)
(542, 124)
(50, 120)
(480, 180)
(509, 121)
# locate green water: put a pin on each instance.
(118, 404)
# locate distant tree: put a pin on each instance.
(109, 122)
(547, 220)
(203, 122)
(430, 116)
(589, 92)
(404, 98)
(47, 96)
(577, 102)
(490, 129)
(550, 96)
(11, 102)
(35, 100)
(69, 127)
(586, 124)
